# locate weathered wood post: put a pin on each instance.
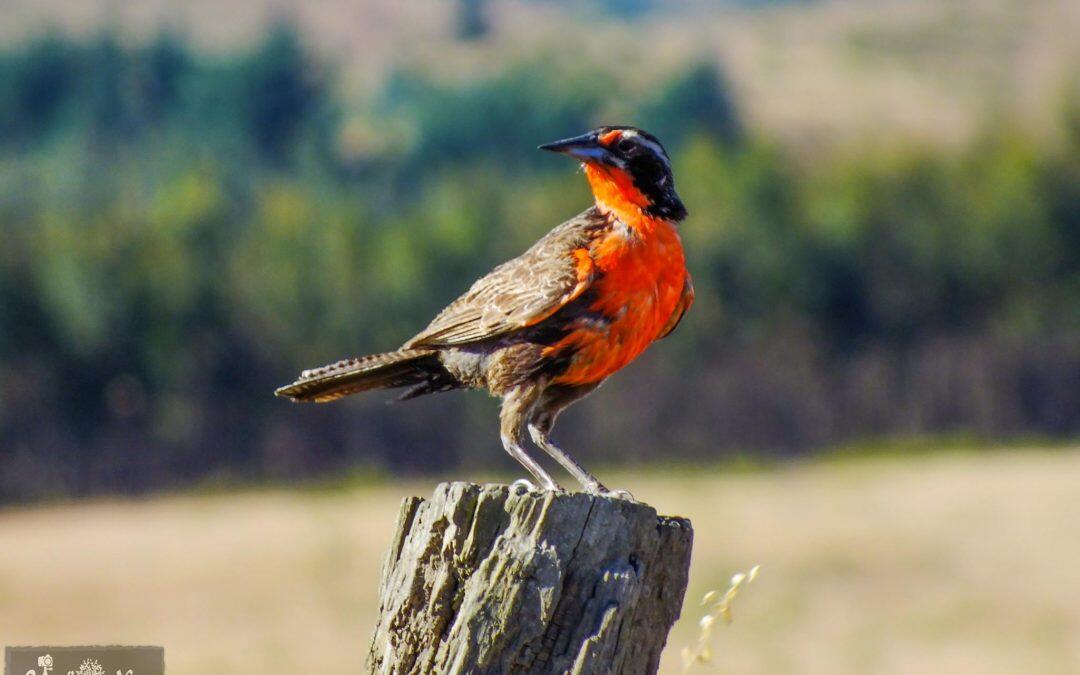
(490, 579)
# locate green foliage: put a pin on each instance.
(497, 119)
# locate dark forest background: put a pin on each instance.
(181, 231)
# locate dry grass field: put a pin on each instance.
(953, 563)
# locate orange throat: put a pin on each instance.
(616, 195)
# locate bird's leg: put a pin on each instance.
(517, 452)
(588, 481)
(515, 404)
(540, 429)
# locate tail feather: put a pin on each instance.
(379, 371)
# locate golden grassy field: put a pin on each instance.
(954, 563)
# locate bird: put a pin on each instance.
(545, 329)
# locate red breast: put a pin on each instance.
(641, 271)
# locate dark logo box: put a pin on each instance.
(101, 660)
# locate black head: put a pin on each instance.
(637, 153)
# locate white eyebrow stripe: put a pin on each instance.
(655, 147)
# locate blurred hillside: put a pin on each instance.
(193, 208)
(809, 71)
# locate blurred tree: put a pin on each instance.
(472, 19)
(282, 89)
(34, 85)
(695, 102)
(104, 80)
(160, 70)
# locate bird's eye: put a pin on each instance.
(625, 145)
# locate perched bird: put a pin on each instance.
(546, 328)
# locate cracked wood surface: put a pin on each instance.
(485, 579)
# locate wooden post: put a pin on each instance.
(489, 579)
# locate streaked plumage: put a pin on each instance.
(523, 291)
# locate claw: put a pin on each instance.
(616, 494)
(529, 486)
(599, 490)
(522, 483)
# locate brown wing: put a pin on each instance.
(522, 291)
(685, 301)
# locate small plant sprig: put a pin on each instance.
(718, 606)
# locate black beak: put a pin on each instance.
(585, 147)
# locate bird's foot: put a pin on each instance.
(524, 485)
(600, 491)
